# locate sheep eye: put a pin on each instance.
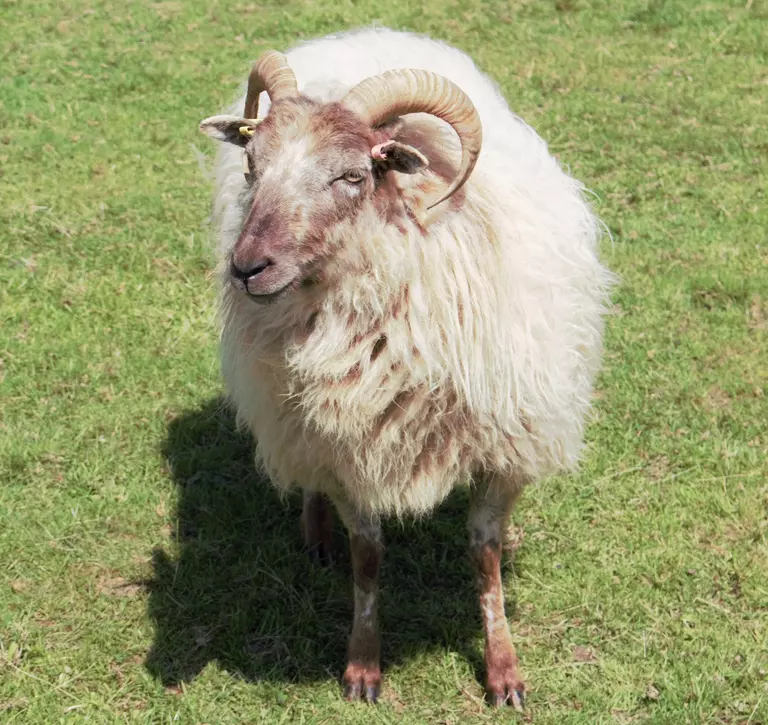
(353, 176)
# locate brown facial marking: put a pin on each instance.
(334, 126)
(389, 204)
(301, 159)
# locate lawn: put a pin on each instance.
(147, 575)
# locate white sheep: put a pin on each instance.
(382, 347)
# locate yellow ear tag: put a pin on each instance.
(247, 131)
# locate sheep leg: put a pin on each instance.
(491, 506)
(362, 677)
(317, 527)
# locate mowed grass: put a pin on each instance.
(149, 576)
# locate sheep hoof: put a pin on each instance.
(507, 689)
(361, 684)
(515, 698)
(354, 693)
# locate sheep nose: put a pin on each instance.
(241, 274)
(251, 270)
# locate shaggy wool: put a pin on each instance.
(462, 342)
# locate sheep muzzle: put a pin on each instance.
(261, 264)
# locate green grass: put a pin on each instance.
(149, 576)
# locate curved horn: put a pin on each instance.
(397, 92)
(272, 74)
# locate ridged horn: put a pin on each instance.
(272, 74)
(397, 92)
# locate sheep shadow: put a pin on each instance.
(235, 585)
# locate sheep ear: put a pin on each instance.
(397, 156)
(230, 129)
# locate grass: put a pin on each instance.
(147, 574)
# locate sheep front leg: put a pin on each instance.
(491, 505)
(362, 677)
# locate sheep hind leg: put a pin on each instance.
(491, 505)
(317, 527)
(362, 676)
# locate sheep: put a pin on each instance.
(411, 299)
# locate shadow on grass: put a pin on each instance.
(238, 588)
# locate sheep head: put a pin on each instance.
(312, 167)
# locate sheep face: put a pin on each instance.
(310, 167)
